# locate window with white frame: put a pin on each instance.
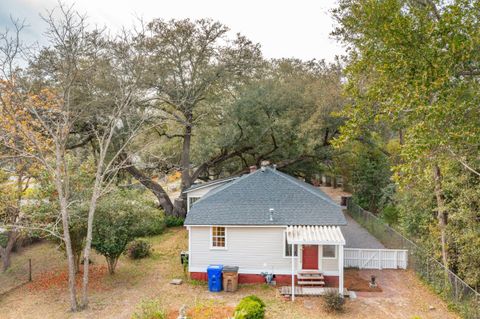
(219, 237)
(329, 251)
(288, 248)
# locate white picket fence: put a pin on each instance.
(375, 258)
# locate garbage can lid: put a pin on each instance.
(215, 267)
(230, 269)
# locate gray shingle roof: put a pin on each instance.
(209, 183)
(248, 199)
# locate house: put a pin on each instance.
(266, 222)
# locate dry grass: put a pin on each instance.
(148, 279)
(45, 257)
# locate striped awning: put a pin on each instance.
(315, 235)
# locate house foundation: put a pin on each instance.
(281, 280)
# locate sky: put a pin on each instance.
(295, 28)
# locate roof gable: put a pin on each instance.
(248, 200)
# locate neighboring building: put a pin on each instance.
(266, 222)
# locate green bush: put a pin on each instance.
(113, 229)
(151, 222)
(3, 239)
(138, 249)
(250, 307)
(173, 221)
(150, 309)
(390, 214)
(256, 299)
(333, 301)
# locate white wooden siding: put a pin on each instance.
(253, 249)
(375, 258)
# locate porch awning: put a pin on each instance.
(315, 235)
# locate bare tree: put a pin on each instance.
(17, 168)
(43, 114)
(112, 131)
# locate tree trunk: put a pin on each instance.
(62, 190)
(5, 259)
(112, 264)
(6, 251)
(180, 207)
(88, 242)
(70, 258)
(163, 199)
(77, 256)
(442, 214)
(328, 180)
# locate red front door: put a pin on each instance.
(310, 257)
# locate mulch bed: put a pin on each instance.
(59, 279)
(354, 282)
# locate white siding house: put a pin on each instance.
(266, 222)
(253, 249)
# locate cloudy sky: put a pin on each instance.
(293, 28)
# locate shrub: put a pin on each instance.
(173, 221)
(250, 307)
(150, 309)
(390, 214)
(138, 249)
(256, 299)
(113, 229)
(333, 301)
(151, 221)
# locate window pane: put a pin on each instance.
(218, 236)
(288, 248)
(329, 251)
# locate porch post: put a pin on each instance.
(293, 273)
(340, 269)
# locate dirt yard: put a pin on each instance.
(119, 296)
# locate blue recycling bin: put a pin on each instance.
(214, 273)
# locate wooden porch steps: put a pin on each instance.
(311, 283)
(310, 278)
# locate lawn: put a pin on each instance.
(146, 282)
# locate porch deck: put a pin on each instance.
(310, 291)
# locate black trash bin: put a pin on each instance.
(184, 257)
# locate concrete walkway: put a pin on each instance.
(355, 235)
(358, 237)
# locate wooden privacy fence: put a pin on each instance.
(375, 258)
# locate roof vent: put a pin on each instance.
(274, 167)
(271, 214)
